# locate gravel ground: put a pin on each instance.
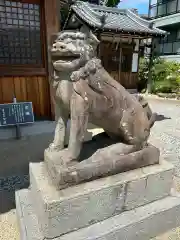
(166, 132)
(16, 155)
(8, 226)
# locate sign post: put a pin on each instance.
(16, 114)
(18, 130)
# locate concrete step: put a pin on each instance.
(142, 223)
(73, 208)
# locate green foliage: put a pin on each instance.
(64, 11)
(143, 74)
(165, 76)
(112, 3)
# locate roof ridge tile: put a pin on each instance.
(116, 19)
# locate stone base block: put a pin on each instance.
(102, 163)
(67, 210)
(142, 223)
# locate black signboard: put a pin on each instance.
(16, 113)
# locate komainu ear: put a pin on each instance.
(91, 38)
(94, 38)
(85, 30)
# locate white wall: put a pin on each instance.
(167, 20)
(172, 58)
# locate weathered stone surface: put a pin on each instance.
(84, 90)
(26, 216)
(66, 210)
(145, 190)
(104, 162)
(87, 136)
(69, 209)
(142, 223)
(73, 55)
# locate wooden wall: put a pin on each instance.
(128, 80)
(33, 89)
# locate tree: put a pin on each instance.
(112, 3)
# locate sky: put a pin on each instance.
(141, 5)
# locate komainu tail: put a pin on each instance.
(152, 119)
(151, 116)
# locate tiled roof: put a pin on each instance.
(113, 19)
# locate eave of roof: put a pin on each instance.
(114, 19)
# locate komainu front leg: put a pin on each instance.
(61, 116)
(79, 122)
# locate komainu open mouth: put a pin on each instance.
(66, 58)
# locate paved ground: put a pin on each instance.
(16, 155)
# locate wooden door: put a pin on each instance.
(118, 64)
(23, 64)
(110, 58)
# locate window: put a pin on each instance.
(178, 34)
(173, 36)
(20, 36)
(163, 7)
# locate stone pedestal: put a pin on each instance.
(133, 205)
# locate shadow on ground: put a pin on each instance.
(160, 117)
(99, 141)
(15, 156)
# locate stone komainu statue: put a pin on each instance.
(84, 90)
